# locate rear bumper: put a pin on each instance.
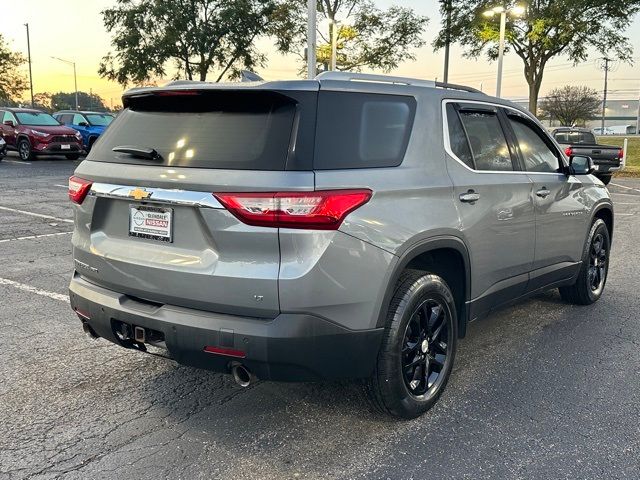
(604, 168)
(291, 347)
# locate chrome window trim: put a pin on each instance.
(447, 140)
(163, 196)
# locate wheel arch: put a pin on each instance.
(446, 256)
(604, 211)
(22, 136)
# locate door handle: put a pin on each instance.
(543, 192)
(470, 197)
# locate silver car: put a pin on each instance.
(349, 226)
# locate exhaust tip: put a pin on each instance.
(242, 375)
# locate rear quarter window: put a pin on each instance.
(360, 130)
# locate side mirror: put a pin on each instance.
(581, 165)
(83, 124)
(9, 123)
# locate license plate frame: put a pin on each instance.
(142, 224)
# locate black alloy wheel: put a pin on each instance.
(418, 346)
(592, 277)
(598, 263)
(426, 348)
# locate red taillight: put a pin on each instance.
(568, 151)
(78, 189)
(319, 210)
(620, 154)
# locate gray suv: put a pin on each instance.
(349, 226)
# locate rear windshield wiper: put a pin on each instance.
(138, 152)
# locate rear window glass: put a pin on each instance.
(586, 138)
(232, 130)
(358, 130)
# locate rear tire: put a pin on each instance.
(605, 179)
(72, 156)
(595, 267)
(418, 347)
(24, 150)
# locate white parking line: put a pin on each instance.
(626, 194)
(624, 214)
(30, 237)
(66, 220)
(626, 188)
(37, 291)
(17, 161)
(61, 186)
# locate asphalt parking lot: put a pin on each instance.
(539, 390)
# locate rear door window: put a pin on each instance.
(220, 129)
(361, 130)
(487, 140)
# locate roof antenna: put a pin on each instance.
(248, 76)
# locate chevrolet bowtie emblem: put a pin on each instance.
(139, 193)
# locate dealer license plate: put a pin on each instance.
(153, 223)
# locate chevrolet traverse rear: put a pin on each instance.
(325, 229)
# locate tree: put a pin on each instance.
(12, 81)
(571, 105)
(197, 36)
(548, 29)
(66, 101)
(42, 101)
(366, 36)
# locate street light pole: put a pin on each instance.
(311, 38)
(503, 27)
(75, 84)
(515, 11)
(75, 77)
(29, 56)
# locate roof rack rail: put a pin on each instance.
(453, 86)
(368, 77)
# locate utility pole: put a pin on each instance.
(447, 41)
(29, 56)
(311, 38)
(91, 99)
(606, 61)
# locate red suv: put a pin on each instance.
(32, 132)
